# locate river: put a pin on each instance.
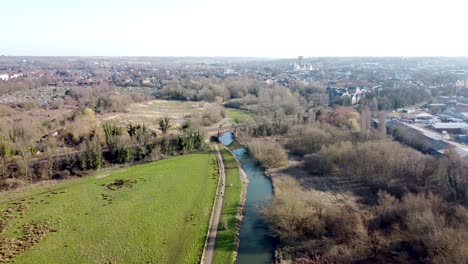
(256, 245)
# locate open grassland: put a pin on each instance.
(150, 112)
(238, 116)
(228, 232)
(152, 213)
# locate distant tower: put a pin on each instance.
(299, 60)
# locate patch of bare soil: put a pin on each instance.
(103, 175)
(33, 233)
(120, 183)
(10, 213)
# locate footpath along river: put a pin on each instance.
(256, 245)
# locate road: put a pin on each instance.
(208, 254)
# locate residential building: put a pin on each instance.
(4, 76)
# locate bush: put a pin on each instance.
(381, 162)
(317, 164)
(212, 115)
(314, 227)
(417, 228)
(294, 213)
(269, 154)
(308, 139)
(11, 184)
(429, 227)
(61, 175)
(6, 110)
(29, 105)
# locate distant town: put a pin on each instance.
(440, 117)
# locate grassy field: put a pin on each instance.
(152, 213)
(239, 115)
(227, 229)
(150, 112)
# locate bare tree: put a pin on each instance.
(382, 127)
(164, 124)
(365, 121)
(5, 153)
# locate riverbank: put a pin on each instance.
(255, 243)
(227, 240)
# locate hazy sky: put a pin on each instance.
(258, 28)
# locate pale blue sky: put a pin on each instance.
(257, 28)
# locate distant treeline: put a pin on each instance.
(388, 99)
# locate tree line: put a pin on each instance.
(120, 145)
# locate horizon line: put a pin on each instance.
(239, 57)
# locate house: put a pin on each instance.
(16, 75)
(406, 110)
(355, 94)
(455, 115)
(434, 143)
(436, 108)
(453, 128)
(423, 116)
(4, 76)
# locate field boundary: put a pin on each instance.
(243, 196)
(208, 248)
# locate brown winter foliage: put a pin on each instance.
(419, 212)
(420, 228)
(268, 153)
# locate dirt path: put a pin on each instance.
(209, 249)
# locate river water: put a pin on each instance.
(256, 245)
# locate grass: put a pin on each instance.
(239, 115)
(150, 112)
(180, 106)
(228, 232)
(159, 215)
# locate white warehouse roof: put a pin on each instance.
(449, 125)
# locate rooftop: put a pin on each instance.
(423, 115)
(449, 125)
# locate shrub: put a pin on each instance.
(11, 183)
(307, 139)
(385, 163)
(315, 227)
(427, 225)
(6, 110)
(294, 213)
(269, 154)
(317, 164)
(61, 175)
(212, 115)
(29, 105)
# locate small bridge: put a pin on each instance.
(219, 132)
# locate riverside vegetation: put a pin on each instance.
(228, 228)
(352, 195)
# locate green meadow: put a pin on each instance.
(239, 115)
(228, 232)
(152, 213)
